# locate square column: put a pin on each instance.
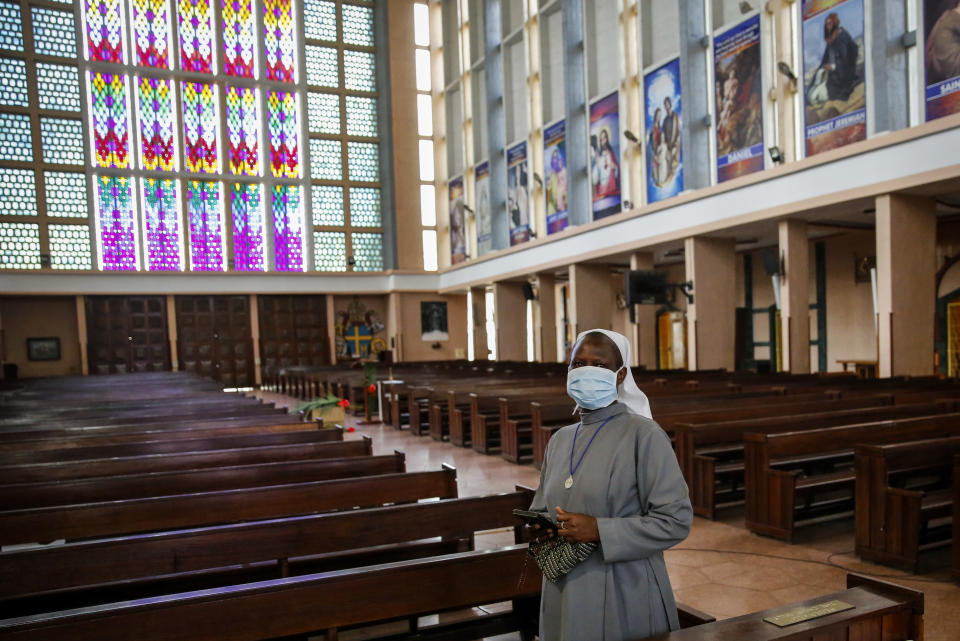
(510, 313)
(545, 319)
(478, 316)
(906, 279)
(644, 334)
(593, 300)
(795, 296)
(712, 266)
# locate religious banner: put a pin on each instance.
(555, 159)
(941, 58)
(663, 117)
(356, 331)
(433, 321)
(736, 60)
(518, 203)
(834, 92)
(484, 224)
(458, 230)
(605, 155)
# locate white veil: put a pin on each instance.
(627, 392)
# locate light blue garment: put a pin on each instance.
(592, 387)
(631, 483)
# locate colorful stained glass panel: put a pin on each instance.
(247, 208)
(282, 125)
(19, 246)
(151, 33)
(70, 247)
(54, 32)
(161, 221)
(196, 35)
(116, 223)
(367, 251)
(104, 23)
(327, 205)
(108, 113)
(325, 159)
(358, 25)
(287, 229)
(243, 131)
(58, 87)
(205, 212)
(200, 127)
(239, 38)
(16, 143)
(278, 40)
(66, 194)
(157, 141)
(320, 20)
(62, 141)
(11, 28)
(330, 251)
(18, 192)
(13, 83)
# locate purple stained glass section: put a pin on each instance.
(287, 229)
(162, 225)
(204, 209)
(117, 223)
(247, 209)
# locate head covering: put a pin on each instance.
(627, 392)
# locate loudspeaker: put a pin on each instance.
(528, 292)
(646, 287)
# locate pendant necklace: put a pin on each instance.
(573, 468)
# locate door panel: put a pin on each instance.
(214, 338)
(293, 331)
(127, 334)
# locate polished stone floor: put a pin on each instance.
(721, 569)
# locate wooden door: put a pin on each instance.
(214, 338)
(293, 331)
(127, 334)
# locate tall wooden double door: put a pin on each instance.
(293, 331)
(215, 338)
(127, 334)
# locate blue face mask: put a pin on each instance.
(592, 387)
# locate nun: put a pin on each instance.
(611, 479)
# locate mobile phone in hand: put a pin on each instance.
(536, 518)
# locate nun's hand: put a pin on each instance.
(577, 528)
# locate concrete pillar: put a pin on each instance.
(888, 82)
(695, 137)
(496, 125)
(478, 316)
(795, 296)
(575, 101)
(712, 266)
(906, 280)
(644, 335)
(510, 313)
(545, 321)
(593, 299)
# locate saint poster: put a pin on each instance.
(834, 89)
(484, 224)
(518, 190)
(663, 116)
(458, 231)
(433, 321)
(941, 57)
(736, 60)
(555, 159)
(605, 155)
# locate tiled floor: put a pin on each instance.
(721, 568)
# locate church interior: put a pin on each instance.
(294, 295)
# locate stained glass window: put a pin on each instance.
(323, 113)
(361, 116)
(66, 194)
(367, 252)
(58, 87)
(322, 67)
(104, 21)
(116, 223)
(54, 33)
(358, 25)
(364, 207)
(239, 38)
(13, 83)
(327, 205)
(196, 35)
(108, 113)
(161, 218)
(19, 246)
(11, 32)
(320, 19)
(363, 159)
(200, 127)
(287, 229)
(16, 143)
(325, 159)
(243, 131)
(330, 251)
(70, 247)
(62, 141)
(247, 208)
(278, 40)
(205, 212)
(151, 33)
(157, 127)
(18, 192)
(358, 71)
(282, 124)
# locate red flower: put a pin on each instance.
(372, 389)
(344, 403)
(351, 429)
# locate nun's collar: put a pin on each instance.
(588, 417)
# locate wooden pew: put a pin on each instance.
(781, 468)
(74, 469)
(74, 522)
(955, 552)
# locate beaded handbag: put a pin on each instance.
(556, 556)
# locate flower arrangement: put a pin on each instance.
(331, 408)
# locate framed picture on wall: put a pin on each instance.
(433, 321)
(43, 349)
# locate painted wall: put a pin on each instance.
(40, 317)
(407, 335)
(850, 320)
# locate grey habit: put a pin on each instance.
(631, 483)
